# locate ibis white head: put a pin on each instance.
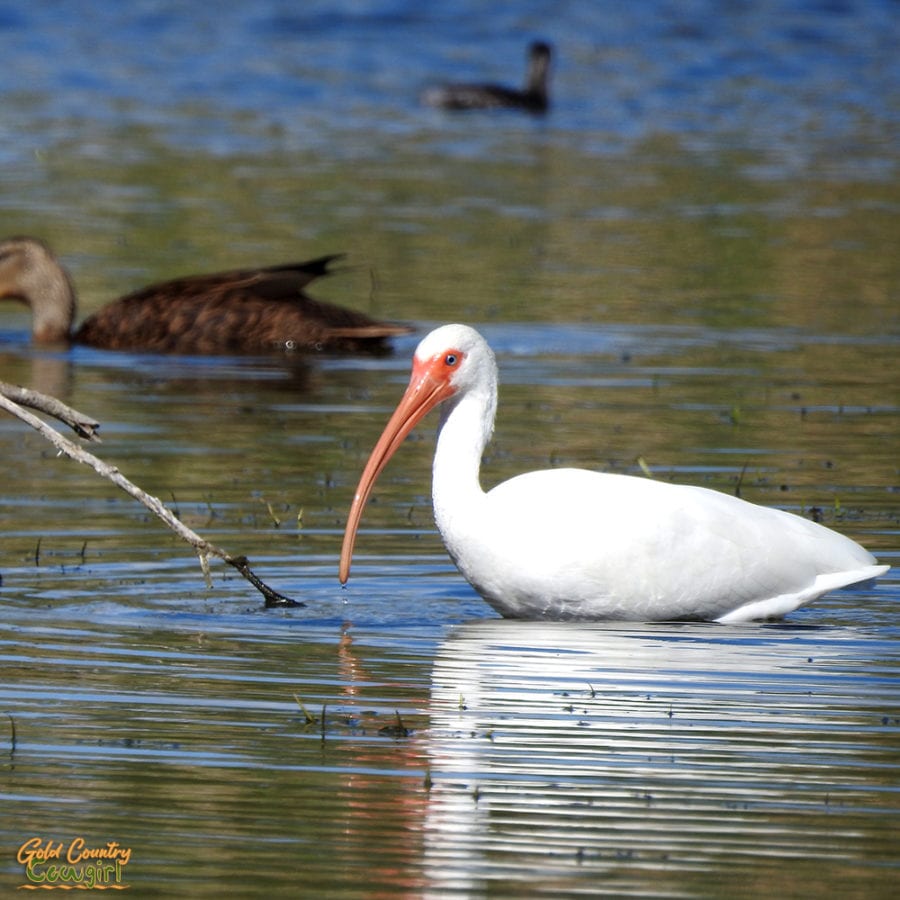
(452, 361)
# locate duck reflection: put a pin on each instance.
(58, 373)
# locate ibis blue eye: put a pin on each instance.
(450, 359)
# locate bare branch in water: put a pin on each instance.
(86, 427)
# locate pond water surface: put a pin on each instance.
(689, 266)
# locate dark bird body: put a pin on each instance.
(241, 311)
(532, 98)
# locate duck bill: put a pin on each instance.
(426, 390)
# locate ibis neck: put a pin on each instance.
(467, 422)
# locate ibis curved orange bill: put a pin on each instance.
(428, 386)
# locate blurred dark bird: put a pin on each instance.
(242, 311)
(532, 98)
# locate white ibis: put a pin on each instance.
(569, 544)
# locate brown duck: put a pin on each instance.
(241, 311)
(532, 98)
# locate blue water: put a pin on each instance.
(257, 753)
(794, 77)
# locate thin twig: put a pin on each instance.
(84, 426)
(12, 735)
(203, 548)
